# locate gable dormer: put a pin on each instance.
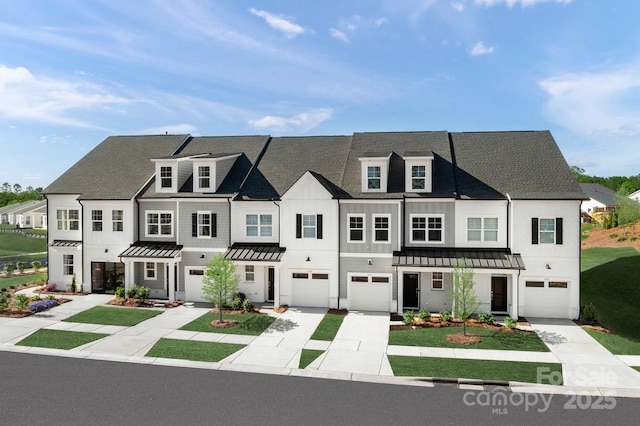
(171, 173)
(418, 171)
(375, 171)
(209, 170)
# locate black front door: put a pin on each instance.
(106, 276)
(499, 294)
(411, 291)
(270, 284)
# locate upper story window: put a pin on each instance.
(418, 177)
(546, 230)
(482, 229)
(68, 220)
(159, 224)
(418, 170)
(427, 228)
(96, 220)
(309, 226)
(356, 228)
(373, 177)
(204, 177)
(166, 176)
(204, 225)
(381, 228)
(259, 225)
(117, 220)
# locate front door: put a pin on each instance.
(106, 276)
(499, 294)
(270, 284)
(411, 291)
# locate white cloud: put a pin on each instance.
(522, 3)
(176, 129)
(339, 35)
(380, 22)
(480, 49)
(459, 6)
(596, 103)
(297, 123)
(287, 27)
(41, 99)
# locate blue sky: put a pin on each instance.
(74, 72)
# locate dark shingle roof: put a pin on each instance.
(600, 193)
(525, 165)
(288, 158)
(117, 168)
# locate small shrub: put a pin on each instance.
(21, 267)
(42, 305)
(614, 235)
(4, 302)
(445, 316)
(20, 301)
(9, 268)
(407, 317)
(36, 264)
(35, 298)
(132, 292)
(51, 297)
(143, 293)
(247, 306)
(423, 314)
(120, 292)
(485, 318)
(633, 238)
(41, 281)
(236, 302)
(621, 239)
(590, 314)
(510, 322)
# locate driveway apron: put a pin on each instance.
(584, 361)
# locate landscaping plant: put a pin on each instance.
(20, 301)
(21, 266)
(407, 317)
(510, 322)
(220, 282)
(423, 314)
(9, 268)
(589, 314)
(247, 306)
(485, 318)
(36, 264)
(119, 292)
(73, 284)
(465, 300)
(143, 293)
(445, 316)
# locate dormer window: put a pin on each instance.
(166, 176)
(373, 177)
(418, 170)
(375, 171)
(204, 177)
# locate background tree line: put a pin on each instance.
(12, 194)
(623, 185)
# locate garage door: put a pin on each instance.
(310, 289)
(546, 299)
(193, 284)
(369, 293)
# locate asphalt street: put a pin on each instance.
(39, 390)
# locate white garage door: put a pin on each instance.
(546, 299)
(310, 289)
(369, 293)
(193, 284)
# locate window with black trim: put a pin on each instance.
(204, 225)
(309, 226)
(546, 230)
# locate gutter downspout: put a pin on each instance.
(509, 216)
(339, 239)
(81, 240)
(48, 235)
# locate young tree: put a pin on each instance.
(465, 300)
(220, 282)
(627, 212)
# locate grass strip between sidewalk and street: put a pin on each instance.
(113, 316)
(308, 356)
(328, 327)
(615, 344)
(473, 369)
(192, 350)
(249, 324)
(59, 339)
(492, 339)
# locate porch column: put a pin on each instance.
(171, 282)
(515, 286)
(276, 286)
(400, 295)
(128, 273)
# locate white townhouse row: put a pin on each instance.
(369, 221)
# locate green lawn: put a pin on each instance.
(21, 279)
(469, 368)
(308, 356)
(250, 324)
(585, 227)
(192, 350)
(617, 345)
(114, 316)
(15, 243)
(437, 338)
(328, 327)
(610, 282)
(59, 339)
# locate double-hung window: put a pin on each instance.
(418, 177)
(166, 176)
(68, 220)
(309, 226)
(150, 271)
(259, 225)
(96, 220)
(374, 175)
(249, 273)
(427, 228)
(204, 225)
(381, 228)
(160, 224)
(117, 220)
(546, 230)
(482, 229)
(356, 228)
(437, 281)
(67, 264)
(204, 177)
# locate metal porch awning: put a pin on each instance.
(255, 252)
(450, 258)
(152, 250)
(65, 243)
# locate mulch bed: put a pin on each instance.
(596, 327)
(135, 303)
(224, 323)
(462, 339)
(281, 309)
(338, 311)
(22, 314)
(438, 323)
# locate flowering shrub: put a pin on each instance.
(42, 305)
